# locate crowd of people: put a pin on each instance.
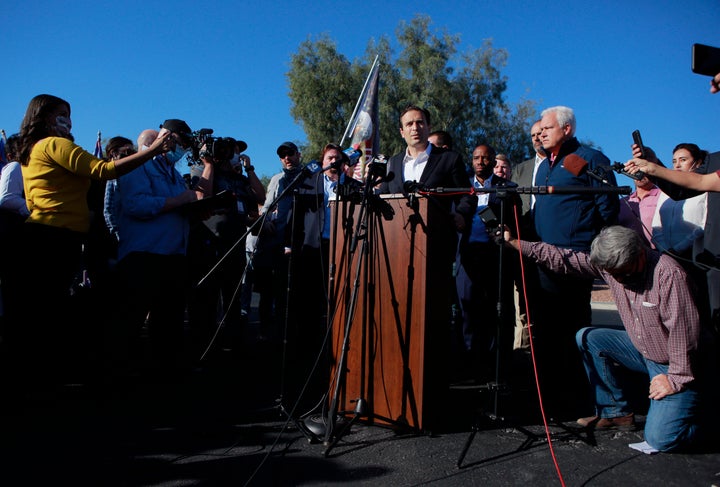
(183, 254)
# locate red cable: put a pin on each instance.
(532, 352)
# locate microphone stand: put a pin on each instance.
(260, 222)
(502, 193)
(361, 233)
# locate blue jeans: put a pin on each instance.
(672, 422)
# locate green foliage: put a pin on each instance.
(462, 91)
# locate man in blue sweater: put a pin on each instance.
(570, 221)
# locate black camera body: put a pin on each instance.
(203, 144)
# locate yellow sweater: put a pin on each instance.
(57, 179)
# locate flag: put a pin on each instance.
(98, 148)
(363, 128)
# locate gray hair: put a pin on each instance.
(564, 115)
(616, 247)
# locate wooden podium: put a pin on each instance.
(391, 310)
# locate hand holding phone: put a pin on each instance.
(637, 139)
(705, 60)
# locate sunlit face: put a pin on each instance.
(553, 135)
(483, 161)
(332, 159)
(290, 159)
(502, 169)
(535, 132)
(414, 129)
(683, 160)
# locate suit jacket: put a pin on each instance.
(523, 176)
(445, 169)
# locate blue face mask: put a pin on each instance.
(175, 155)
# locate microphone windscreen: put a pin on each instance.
(390, 176)
(575, 164)
(312, 167)
(408, 186)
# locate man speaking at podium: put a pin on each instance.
(429, 170)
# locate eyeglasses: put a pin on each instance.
(286, 153)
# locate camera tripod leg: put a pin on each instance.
(299, 425)
(360, 410)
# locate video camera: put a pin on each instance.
(203, 144)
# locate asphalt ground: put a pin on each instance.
(229, 422)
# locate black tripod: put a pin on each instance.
(371, 209)
(290, 187)
(497, 387)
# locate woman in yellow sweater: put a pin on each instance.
(57, 175)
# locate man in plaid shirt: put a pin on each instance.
(661, 335)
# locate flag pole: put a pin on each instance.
(362, 94)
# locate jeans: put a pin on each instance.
(672, 422)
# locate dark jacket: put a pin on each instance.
(573, 220)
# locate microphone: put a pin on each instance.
(619, 168)
(413, 186)
(576, 165)
(311, 168)
(574, 190)
(353, 155)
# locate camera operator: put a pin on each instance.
(219, 238)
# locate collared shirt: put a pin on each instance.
(478, 232)
(329, 193)
(631, 206)
(413, 167)
(538, 160)
(660, 316)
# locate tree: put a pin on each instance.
(463, 92)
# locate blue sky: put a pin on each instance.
(128, 65)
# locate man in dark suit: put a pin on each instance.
(434, 167)
(431, 167)
(524, 175)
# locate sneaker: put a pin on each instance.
(622, 423)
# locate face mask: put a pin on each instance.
(63, 126)
(175, 155)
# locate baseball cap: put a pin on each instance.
(286, 147)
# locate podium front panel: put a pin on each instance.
(389, 310)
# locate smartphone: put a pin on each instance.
(638, 141)
(705, 59)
